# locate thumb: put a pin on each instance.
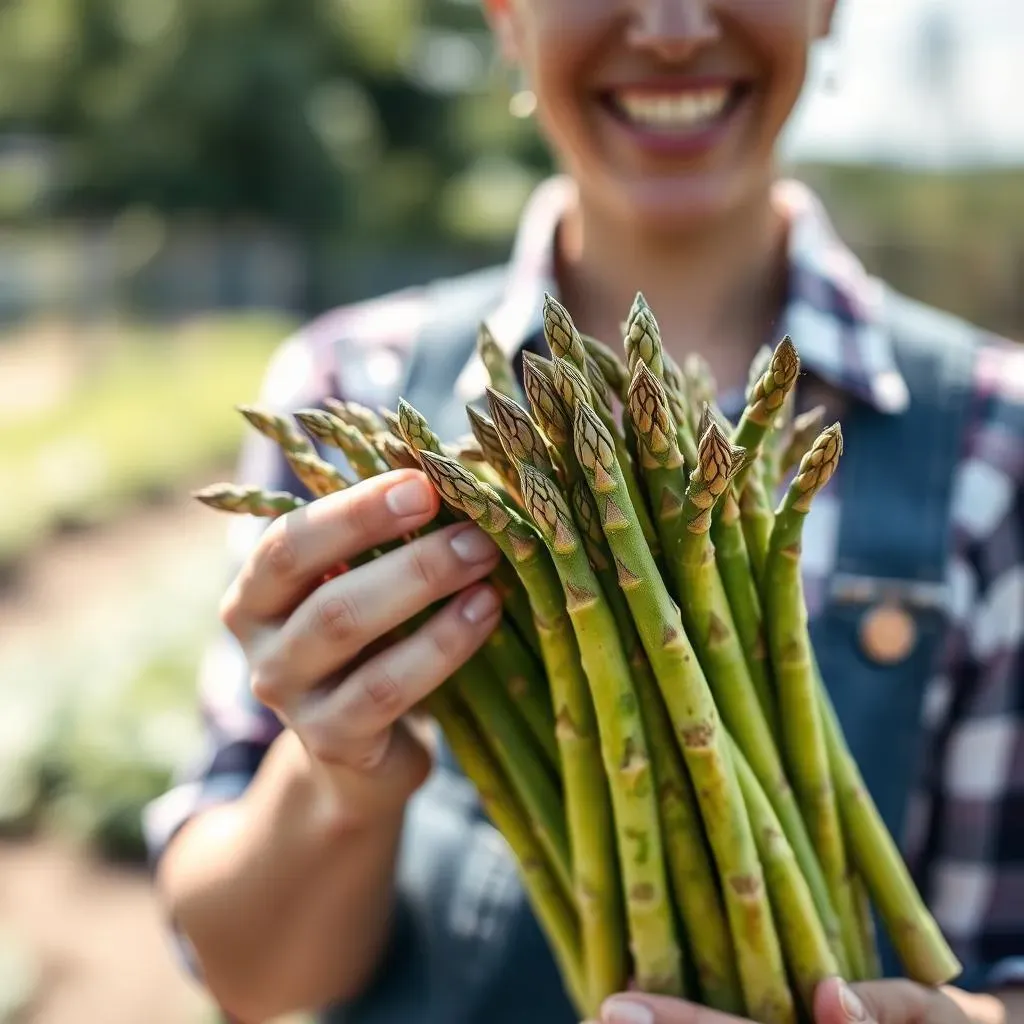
(892, 1001)
(836, 1003)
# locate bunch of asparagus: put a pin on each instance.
(648, 728)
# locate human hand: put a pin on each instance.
(313, 646)
(874, 1002)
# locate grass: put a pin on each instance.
(149, 411)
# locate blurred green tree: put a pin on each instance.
(378, 118)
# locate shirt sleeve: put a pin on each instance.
(976, 882)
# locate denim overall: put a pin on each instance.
(465, 948)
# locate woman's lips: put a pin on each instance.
(681, 120)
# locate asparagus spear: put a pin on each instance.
(283, 432)
(331, 430)
(587, 801)
(690, 867)
(562, 337)
(535, 787)
(805, 429)
(556, 914)
(573, 389)
(421, 439)
(538, 377)
(253, 501)
(767, 395)
(612, 368)
(691, 706)
(490, 444)
(748, 711)
(355, 415)
(805, 944)
(396, 453)
(317, 474)
(517, 435)
(499, 369)
(624, 745)
(870, 957)
(922, 949)
(802, 728)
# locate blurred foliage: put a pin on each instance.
(95, 729)
(367, 116)
(153, 410)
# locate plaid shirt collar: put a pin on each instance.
(833, 307)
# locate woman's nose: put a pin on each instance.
(672, 29)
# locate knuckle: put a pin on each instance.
(427, 562)
(337, 617)
(448, 642)
(384, 691)
(278, 550)
(266, 681)
(229, 611)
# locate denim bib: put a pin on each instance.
(465, 948)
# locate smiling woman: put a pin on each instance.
(322, 856)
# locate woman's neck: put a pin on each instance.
(718, 292)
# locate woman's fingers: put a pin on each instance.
(350, 725)
(351, 611)
(891, 1001)
(298, 549)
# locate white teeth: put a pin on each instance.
(672, 111)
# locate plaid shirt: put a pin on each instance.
(965, 837)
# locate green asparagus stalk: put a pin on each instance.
(624, 745)
(922, 949)
(767, 395)
(748, 711)
(317, 474)
(802, 727)
(466, 495)
(694, 714)
(545, 402)
(870, 956)
(421, 439)
(518, 437)
(561, 335)
(643, 345)
(396, 453)
(573, 389)
(586, 796)
(253, 501)
(612, 368)
(498, 366)
(802, 435)
(392, 423)
(805, 944)
(490, 445)
(701, 388)
(534, 785)
(365, 420)
(556, 914)
(331, 430)
(297, 449)
(690, 867)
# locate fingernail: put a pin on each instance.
(852, 1006)
(409, 498)
(472, 545)
(625, 1011)
(481, 606)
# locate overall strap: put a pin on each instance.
(895, 488)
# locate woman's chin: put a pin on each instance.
(673, 205)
